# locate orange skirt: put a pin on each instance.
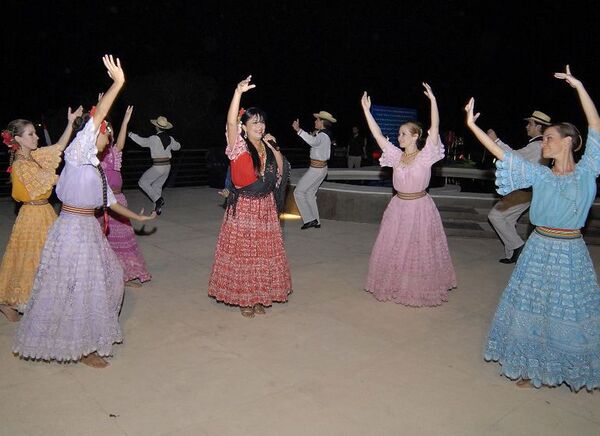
(22, 254)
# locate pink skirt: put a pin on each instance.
(250, 266)
(121, 238)
(410, 263)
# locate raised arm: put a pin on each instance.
(381, 140)
(115, 72)
(591, 113)
(483, 137)
(123, 130)
(434, 129)
(234, 108)
(71, 116)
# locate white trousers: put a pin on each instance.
(153, 179)
(504, 216)
(306, 193)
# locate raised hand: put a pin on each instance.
(71, 116)
(128, 113)
(568, 77)
(245, 85)
(428, 92)
(296, 124)
(365, 101)
(469, 108)
(113, 68)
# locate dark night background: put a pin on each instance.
(183, 60)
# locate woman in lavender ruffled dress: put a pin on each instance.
(78, 289)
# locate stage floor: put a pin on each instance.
(331, 361)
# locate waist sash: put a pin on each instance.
(314, 163)
(35, 202)
(77, 210)
(161, 161)
(410, 195)
(558, 233)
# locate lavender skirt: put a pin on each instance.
(76, 296)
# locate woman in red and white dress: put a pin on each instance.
(251, 268)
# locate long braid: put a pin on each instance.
(104, 198)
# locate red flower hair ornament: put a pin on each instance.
(241, 114)
(104, 125)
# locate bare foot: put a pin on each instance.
(11, 314)
(94, 361)
(524, 383)
(133, 284)
(259, 309)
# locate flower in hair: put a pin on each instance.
(241, 114)
(103, 125)
(8, 139)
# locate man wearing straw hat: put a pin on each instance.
(305, 193)
(506, 212)
(160, 145)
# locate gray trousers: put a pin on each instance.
(504, 216)
(354, 161)
(306, 193)
(153, 179)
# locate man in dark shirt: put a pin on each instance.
(356, 148)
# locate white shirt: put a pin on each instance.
(320, 145)
(532, 151)
(155, 144)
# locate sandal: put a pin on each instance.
(247, 312)
(259, 309)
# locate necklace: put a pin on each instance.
(407, 158)
(562, 188)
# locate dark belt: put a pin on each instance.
(558, 233)
(162, 161)
(410, 195)
(314, 163)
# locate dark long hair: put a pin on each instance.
(249, 114)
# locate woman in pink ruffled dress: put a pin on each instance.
(410, 263)
(121, 236)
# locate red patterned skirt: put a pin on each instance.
(250, 266)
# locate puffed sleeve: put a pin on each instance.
(39, 176)
(433, 150)
(590, 161)
(82, 150)
(391, 155)
(514, 173)
(238, 147)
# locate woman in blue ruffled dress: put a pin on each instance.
(546, 330)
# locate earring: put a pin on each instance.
(245, 135)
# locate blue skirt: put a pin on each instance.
(547, 324)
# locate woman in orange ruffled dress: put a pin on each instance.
(33, 174)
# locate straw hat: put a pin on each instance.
(539, 117)
(325, 116)
(162, 123)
